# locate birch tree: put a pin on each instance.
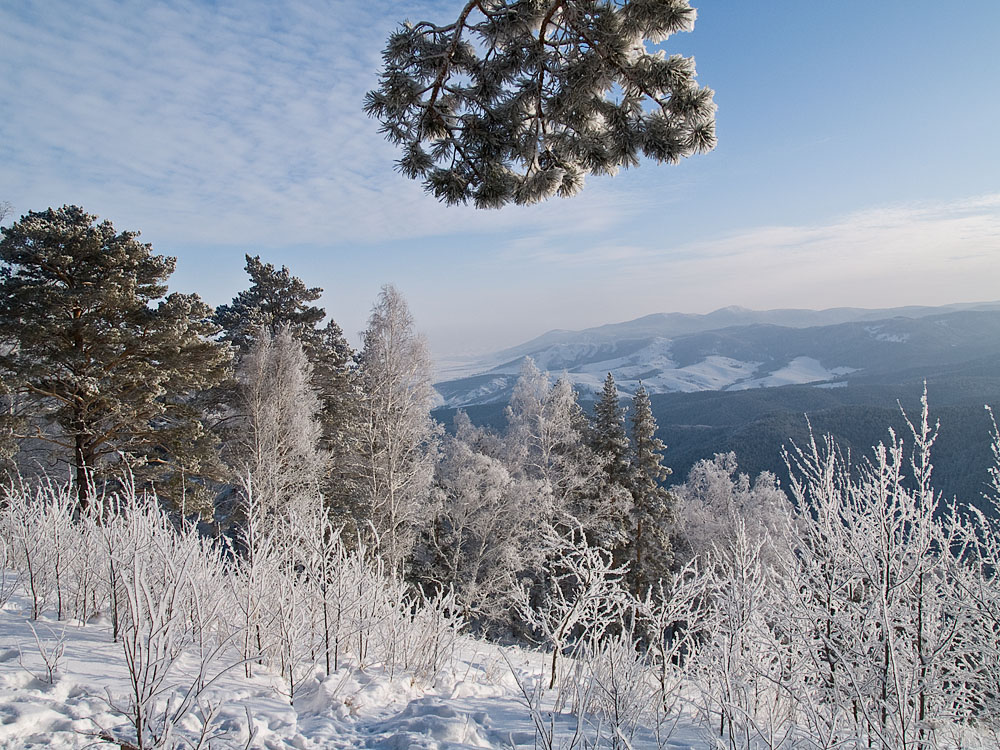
(481, 532)
(398, 436)
(280, 461)
(275, 299)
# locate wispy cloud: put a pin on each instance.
(921, 253)
(224, 123)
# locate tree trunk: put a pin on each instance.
(84, 474)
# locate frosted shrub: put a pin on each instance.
(584, 597)
(870, 609)
(979, 600)
(163, 573)
(27, 527)
(432, 628)
(625, 693)
(672, 621)
(742, 661)
(10, 580)
(51, 651)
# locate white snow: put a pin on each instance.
(877, 333)
(799, 371)
(476, 703)
(651, 365)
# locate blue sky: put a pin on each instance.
(858, 163)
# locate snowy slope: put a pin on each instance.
(663, 353)
(799, 371)
(475, 704)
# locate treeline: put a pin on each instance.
(263, 402)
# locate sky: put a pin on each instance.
(858, 163)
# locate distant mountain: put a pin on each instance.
(737, 349)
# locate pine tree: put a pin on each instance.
(652, 513)
(518, 100)
(110, 362)
(275, 299)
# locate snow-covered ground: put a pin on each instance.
(799, 371)
(475, 703)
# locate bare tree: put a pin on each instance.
(398, 436)
(280, 460)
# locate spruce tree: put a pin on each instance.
(609, 438)
(110, 363)
(518, 100)
(609, 441)
(652, 511)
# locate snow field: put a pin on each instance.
(474, 703)
(171, 640)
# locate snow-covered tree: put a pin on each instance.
(583, 598)
(609, 438)
(979, 595)
(278, 455)
(870, 595)
(109, 362)
(714, 499)
(482, 530)
(651, 553)
(609, 441)
(526, 439)
(397, 435)
(278, 299)
(518, 100)
(545, 437)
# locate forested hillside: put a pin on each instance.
(757, 424)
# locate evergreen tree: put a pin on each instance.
(652, 511)
(108, 360)
(518, 100)
(609, 438)
(275, 299)
(609, 441)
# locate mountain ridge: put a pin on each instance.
(680, 352)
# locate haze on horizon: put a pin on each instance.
(857, 164)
